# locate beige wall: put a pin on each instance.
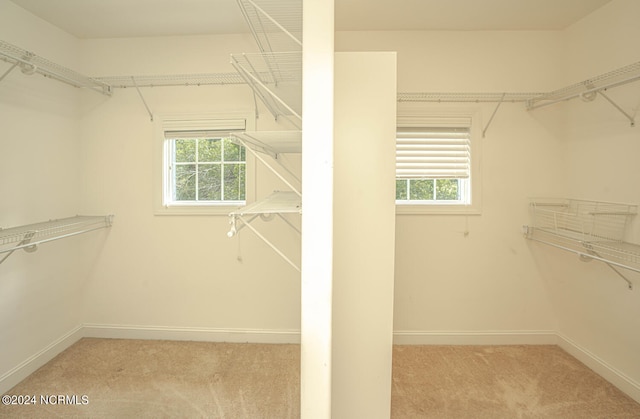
(593, 305)
(174, 271)
(459, 273)
(40, 298)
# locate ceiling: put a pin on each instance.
(135, 18)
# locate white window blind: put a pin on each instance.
(174, 129)
(433, 152)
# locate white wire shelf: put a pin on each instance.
(464, 97)
(28, 237)
(593, 230)
(30, 63)
(588, 89)
(275, 78)
(201, 79)
(276, 25)
(272, 142)
(277, 204)
(583, 220)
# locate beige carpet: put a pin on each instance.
(104, 378)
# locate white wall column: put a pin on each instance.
(317, 204)
(364, 233)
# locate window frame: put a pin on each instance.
(430, 117)
(163, 160)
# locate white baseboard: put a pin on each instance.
(606, 371)
(484, 337)
(31, 364)
(400, 337)
(189, 333)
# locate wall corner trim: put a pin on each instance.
(111, 331)
(37, 360)
(475, 337)
(602, 368)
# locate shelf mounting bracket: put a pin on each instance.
(615, 105)
(25, 240)
(133, 79)
(9, 71)
(591, 252)
(484, 131)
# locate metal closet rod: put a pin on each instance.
(587, 255)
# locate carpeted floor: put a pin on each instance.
(112, 378)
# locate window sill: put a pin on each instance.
(197, 209)
(437, 209)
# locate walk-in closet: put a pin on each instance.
(312, 208)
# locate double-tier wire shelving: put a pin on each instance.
(591, 229)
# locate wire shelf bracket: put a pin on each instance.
(276, 204)
(144, 102)
(29, 237)
(276, 80)
(631, 118)
(484, 130)
(273, 144)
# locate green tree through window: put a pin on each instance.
(208, 170)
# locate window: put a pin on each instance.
(435, 165)
(202, 169)
(206, 169)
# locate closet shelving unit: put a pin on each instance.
(29, 237)
(275, 77)
(587, 90)
(279, 203)
(201, 79)
(30, 63)
(591, 229)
